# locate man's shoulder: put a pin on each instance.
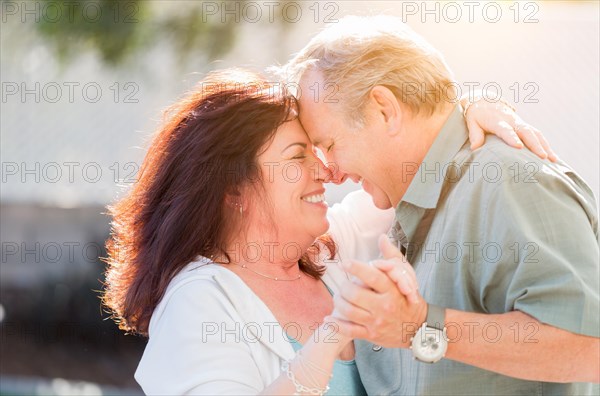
(496, 154)
(499, 173)
(496, 163)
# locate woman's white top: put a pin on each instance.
(211, 334)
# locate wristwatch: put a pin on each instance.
(430, 343)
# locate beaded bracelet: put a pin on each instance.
(300, 389)
(480, 97)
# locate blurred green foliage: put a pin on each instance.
(113, 35)
(119, 29)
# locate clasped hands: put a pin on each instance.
(381, 302)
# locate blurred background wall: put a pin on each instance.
(83, 86)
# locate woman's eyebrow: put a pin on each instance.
(293, 144)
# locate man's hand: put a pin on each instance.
(373, 305)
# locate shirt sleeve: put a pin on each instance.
(194, 347)
(355, 225)
(547, 230)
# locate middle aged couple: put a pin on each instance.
(225, 255)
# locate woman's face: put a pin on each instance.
(293, 178)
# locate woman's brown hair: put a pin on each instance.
(206, 149)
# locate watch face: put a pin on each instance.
(429, 344)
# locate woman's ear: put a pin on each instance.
(235, 203)
(232, 196)
(387, 107)
(231, 200)
(236, 200)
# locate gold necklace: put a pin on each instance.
(267, 276)
(212, 257)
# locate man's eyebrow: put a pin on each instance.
(293, 144)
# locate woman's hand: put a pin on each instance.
(380, 299)
(501, 120)
(397, 267)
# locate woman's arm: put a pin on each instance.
(355, 224)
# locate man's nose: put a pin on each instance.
(321, 173)
(336, 176)
(331, 172)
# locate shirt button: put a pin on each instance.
(377, 348)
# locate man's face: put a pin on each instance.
(353, 153)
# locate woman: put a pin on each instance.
(219, 252)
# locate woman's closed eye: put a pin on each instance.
(330, 147)
(299, 156)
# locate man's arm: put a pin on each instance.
(517, 345)
(512, 343)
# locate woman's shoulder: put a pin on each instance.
(197, 287)
(201, 271)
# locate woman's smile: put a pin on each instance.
(316, 198)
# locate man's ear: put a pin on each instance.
(387, 107)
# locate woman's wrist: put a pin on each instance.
(311, 369)
(467, 102)
(328, 336)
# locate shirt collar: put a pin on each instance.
(425, 188)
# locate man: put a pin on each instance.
(504, 245)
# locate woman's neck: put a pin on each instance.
(272, 257)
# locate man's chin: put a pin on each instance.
(380, 200)
(382, 207)
(381, 203)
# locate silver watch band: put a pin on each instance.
(436, 317)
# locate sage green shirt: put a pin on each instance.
(491, 231)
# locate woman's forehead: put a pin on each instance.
(291, 130)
